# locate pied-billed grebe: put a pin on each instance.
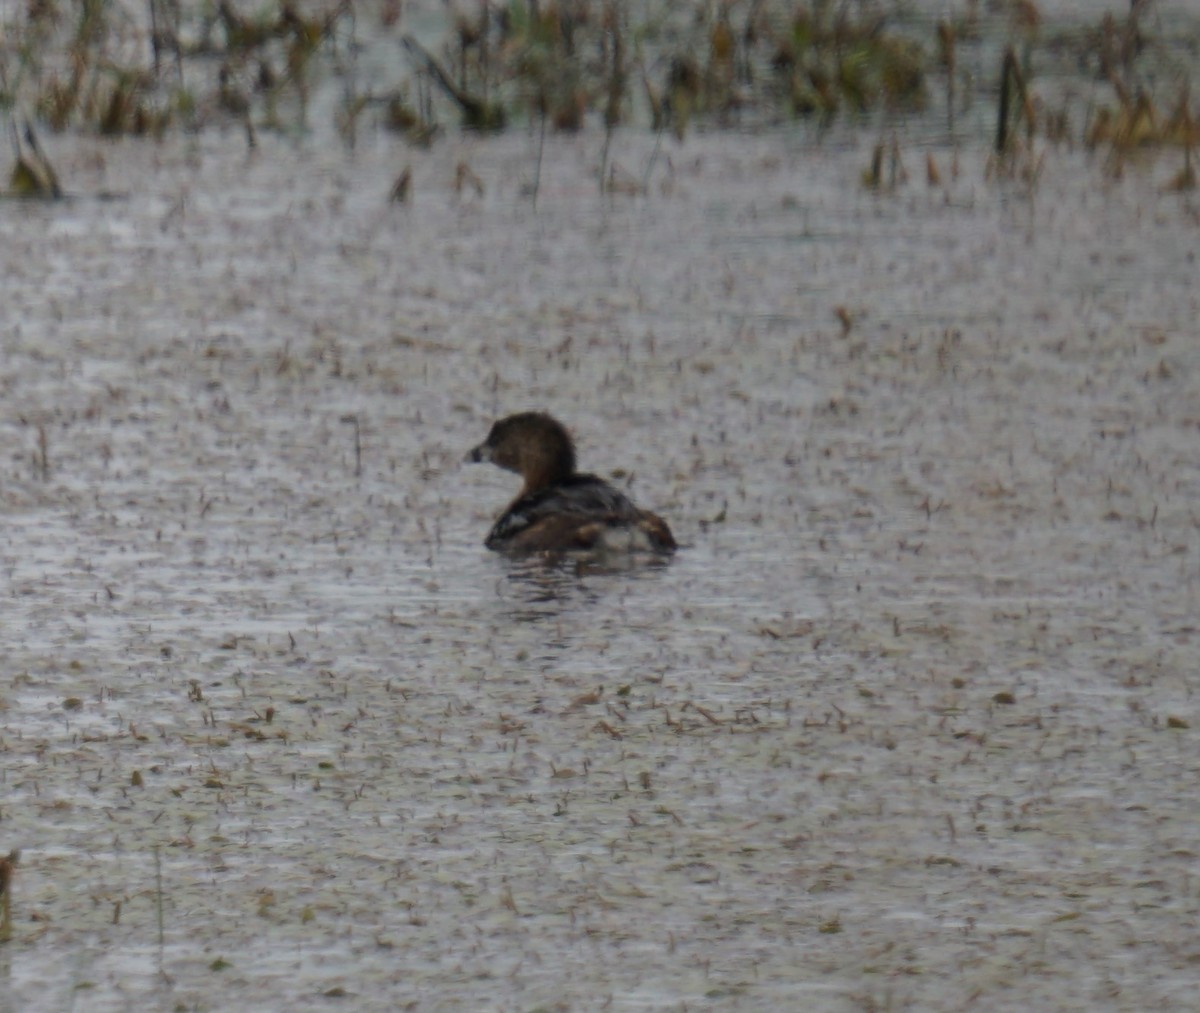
(559, 509)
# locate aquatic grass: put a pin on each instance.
(566, 61)
(158, 911)
(1137, 122)
(1132, 62)
(557, 65)
(7, 869)
(89, 65)
(874, 177)
(477, 112)
(832, 61)
(33, 176)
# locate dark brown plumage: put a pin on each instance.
(559, 509)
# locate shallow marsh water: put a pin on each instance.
(910, 721)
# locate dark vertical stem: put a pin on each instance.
(653, 156)
(949, 43)
(537, 175)
(1002, 119)
(158, 894)
(154, 39)
(485, 29)
(176, 14)
(1010, 78)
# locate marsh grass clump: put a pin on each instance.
(547, 60)
(885, 173)
(830, 60)
(563, 61)
(478, 113)
(126, 70)
(147, 67)
(1135, 121)
(554, 77)
(1135, 68)
(1139, 71)
(269, 60)
(1015, 155)
(72, 68)
(32, 174)
(7, 868)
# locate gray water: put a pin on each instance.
(909, 722)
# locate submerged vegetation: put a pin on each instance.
(7, 867)
(120, 70)
(143, 67)
(115, 70)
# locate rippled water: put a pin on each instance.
(909, 722)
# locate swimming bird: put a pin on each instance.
(558, 509)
